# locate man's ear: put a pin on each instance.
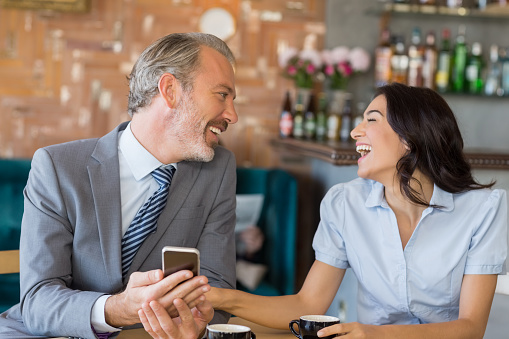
(169, 88)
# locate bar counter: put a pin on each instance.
(344, 154)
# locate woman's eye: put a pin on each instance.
(371, 119)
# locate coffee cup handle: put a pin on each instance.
(253, 335)
(295, 333)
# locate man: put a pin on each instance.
(83, 200)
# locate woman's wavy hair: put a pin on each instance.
(426, 124)
(178, 54)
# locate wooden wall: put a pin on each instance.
(63, 75)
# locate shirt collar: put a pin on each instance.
(440, 197)
(139, 160)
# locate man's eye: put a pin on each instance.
(224, 95)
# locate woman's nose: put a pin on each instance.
(358, 131)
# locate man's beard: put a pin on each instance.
(190, 130)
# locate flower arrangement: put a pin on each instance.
(302, 67)
(340, 63)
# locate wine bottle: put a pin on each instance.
(473, 77)
(459, 61)
(346, 118)
(286, 118)
(310, 119)
(334, 118)
(415, 59)
(321, 118)
(493, 86)
(429, 67)
(399, 62)
(444, 63)
(383, 54)
(298, 119)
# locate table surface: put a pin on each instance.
(261, 332)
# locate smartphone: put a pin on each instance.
(181, 258)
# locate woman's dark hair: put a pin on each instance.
(426, 124)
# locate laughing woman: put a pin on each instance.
(424, 239)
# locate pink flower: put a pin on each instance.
(327, 57)
(345, 69)
(310, 69)
(312, 56)
(359, 59)
(285, 56)
(340, 54)
(291, 70)
(329, 70)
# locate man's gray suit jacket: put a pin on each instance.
(71, 233)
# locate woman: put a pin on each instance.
(424, 239)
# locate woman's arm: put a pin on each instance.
(475, 303)
(315, 297)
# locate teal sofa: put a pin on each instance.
(13, 178)
(278, 222)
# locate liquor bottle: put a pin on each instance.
(399, 61)
(493, 86)
(298, 119)
(346, 118)
(429, 67)
(444, 63)
(473, 77)
(505, 70)
(459, 61)
(321, 118)
(383, 54)
(286, 118)
(310, 119)
(334, 118)
(415, 59)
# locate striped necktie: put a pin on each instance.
(145, 221)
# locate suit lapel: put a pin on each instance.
(182, 183)
(105, 182)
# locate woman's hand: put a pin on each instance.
(352, 330)
(190, 324)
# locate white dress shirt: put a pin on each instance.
(136, 186)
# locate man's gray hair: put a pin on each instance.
(178, 54)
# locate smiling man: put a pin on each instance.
(98, 212)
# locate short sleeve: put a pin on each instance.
(328, 242)
(487, 252)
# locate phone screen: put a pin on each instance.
(180, 258)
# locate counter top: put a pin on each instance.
(343, 153)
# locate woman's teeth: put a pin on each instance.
(363, 149)
(215, 130)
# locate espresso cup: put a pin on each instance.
(229, 331)
(309, 325)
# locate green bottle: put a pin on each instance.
(473, 70)
(298, 119)
(310, 119)
(459, 61)
(321, 118)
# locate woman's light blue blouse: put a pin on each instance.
(420, 284)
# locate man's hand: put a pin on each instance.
(144, 287)
(189, 325)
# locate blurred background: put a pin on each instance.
(63, 68)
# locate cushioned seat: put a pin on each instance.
(278, 222)
(12, 182)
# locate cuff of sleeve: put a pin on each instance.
(484, 269)
(98, 319)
